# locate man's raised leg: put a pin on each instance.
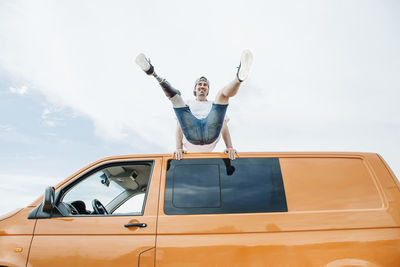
(228, 91)
(232, 88)
(173, 94)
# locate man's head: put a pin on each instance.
(201, 88)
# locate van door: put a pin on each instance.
(211, 207)
(105, 217)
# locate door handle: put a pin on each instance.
(141, 225)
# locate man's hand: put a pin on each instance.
(178, 154)
(232, 153)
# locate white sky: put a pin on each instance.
(325, 78)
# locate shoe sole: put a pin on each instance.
(245, 63)
(142, 62)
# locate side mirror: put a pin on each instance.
(48, 200)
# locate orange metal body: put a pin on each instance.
(343, 210)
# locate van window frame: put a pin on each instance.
(274, 178)
(64, 190)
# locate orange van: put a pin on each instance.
(262, 209)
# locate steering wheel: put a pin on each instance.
(98, 207)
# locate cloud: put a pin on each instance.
(49, 123)
(315, 65)
(45, 113)
(20, 91)
(6, 128)
(53, 116)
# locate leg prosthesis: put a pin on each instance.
(148, 68)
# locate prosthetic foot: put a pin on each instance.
(245, 63)
(144, 64)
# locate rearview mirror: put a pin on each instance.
(48, 200)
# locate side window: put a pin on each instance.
(206, 186)
(117, 189)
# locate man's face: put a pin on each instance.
(201, 90)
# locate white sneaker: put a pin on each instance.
(144, 63)
(245, 63)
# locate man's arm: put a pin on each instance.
(232, 153)
(179, 145)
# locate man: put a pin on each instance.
(201, 122)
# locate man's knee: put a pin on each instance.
(221, 98)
